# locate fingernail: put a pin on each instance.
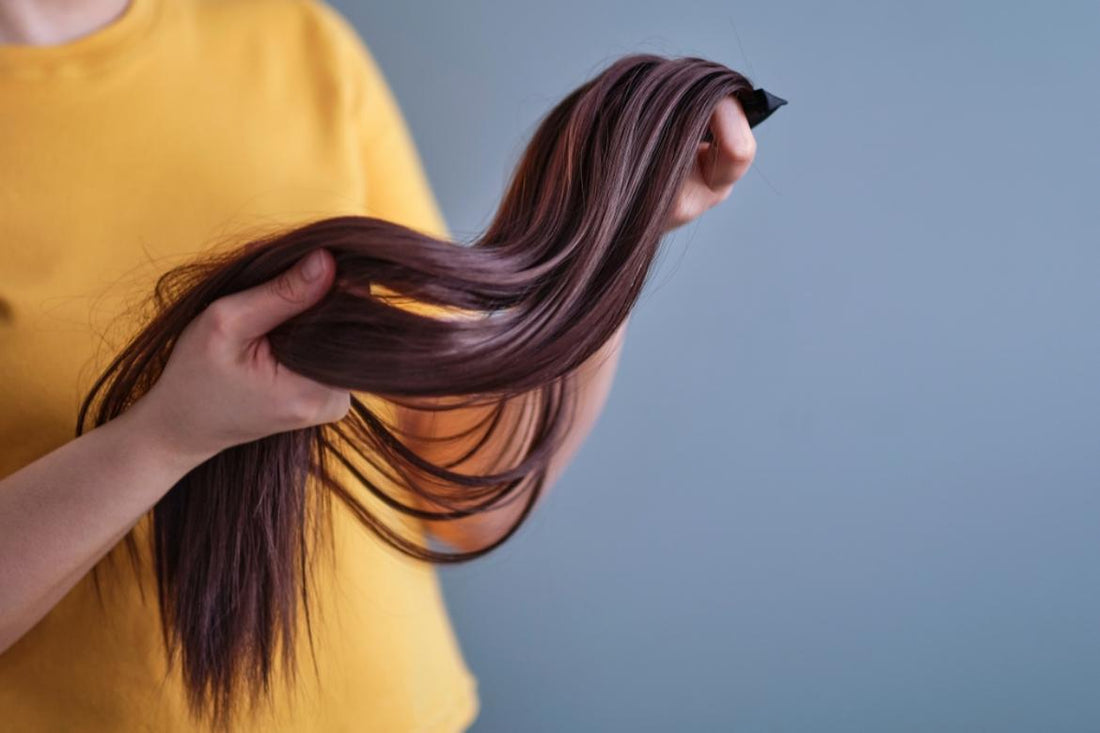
(313, 266)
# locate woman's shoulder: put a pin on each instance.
(314, 23)
(273, 39)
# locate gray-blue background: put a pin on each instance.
(847, 478)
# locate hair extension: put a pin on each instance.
(550, 280)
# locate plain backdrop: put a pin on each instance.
(847, 478)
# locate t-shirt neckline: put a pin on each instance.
(102, 47)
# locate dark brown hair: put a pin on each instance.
(550, 280)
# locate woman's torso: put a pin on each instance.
(180, 127)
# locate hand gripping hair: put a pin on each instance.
(551, 279)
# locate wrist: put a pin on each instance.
(149, 432)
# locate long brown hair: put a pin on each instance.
(549, 281)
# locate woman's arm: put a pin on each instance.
(718, 166)
(221, 387)
(592, 384)
(63, 512)
(398, 190)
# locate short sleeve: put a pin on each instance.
(397, 186)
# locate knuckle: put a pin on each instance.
(318, 407)
(219, 318)
(285, 287)
(683, 212)
(304, 409)
(339, 407)
(301, 410)
(740, 149)
(746, 151)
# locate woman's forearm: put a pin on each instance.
(60, 514)
(592, 388)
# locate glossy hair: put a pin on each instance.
(549, 281)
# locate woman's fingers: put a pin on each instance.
(312, 403)
(719, 163)
(729, 156)
(251, 313)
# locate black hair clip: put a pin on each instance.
(758, 105)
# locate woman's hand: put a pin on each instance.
(222, 386)
(718, 164)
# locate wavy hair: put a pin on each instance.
(549, 281)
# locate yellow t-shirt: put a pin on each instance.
(172, 130)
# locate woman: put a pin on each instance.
(132, 134)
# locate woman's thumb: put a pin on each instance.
(252, 313)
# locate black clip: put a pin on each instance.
(758, 105)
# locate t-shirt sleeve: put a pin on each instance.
(396, 183)
(396, 189)
(397, 186)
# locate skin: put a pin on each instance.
(49, 22)
(62, 513)
(718, 166)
